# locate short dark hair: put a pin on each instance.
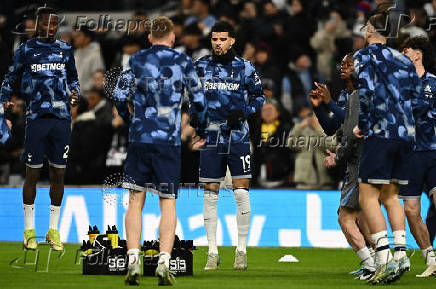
(424, 45)
(223, 26)
(45, 10)
(381, 23)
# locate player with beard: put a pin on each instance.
(233, 91)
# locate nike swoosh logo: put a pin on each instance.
(245, 213)
(36, 54)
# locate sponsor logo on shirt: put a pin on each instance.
(47, 66)
(220, 86)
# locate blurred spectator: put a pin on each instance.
(266, 68)
(430, 8)
(310, 143)
(271, 157)
(130, 45)
(249, 52)
(190, 149)
(178, 21)
(98, 80)
(11, 166)
(358, 41)
(26, 31)
(416, 25)
(118, 151)
(88, 57)
(201, 16)
(91, 139)
(324, 43)
(191, 44)
(297, 82)
(298, 31)
(362, 11)
(65, 33)
(249, 22)
(5, 50)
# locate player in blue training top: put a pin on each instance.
(156, 80)
(49, 85)
(422, 166)
(233, 91)
(390, 94)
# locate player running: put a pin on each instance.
(346, 112)
(156, 81)
(49, 85)
(389, 89)
(422, 165)
(233, 91)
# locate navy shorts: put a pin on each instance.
(422, 174)
(385, 161)
(214, 160)
(47, 136)
(153, 168)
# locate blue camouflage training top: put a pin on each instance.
(156, 81)
(232, 86)
(48, 75)
(389, 91)
(426, 123)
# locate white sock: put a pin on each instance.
(243, 214)
(365, 255)
(210, 219)
(371, 250)
(164, 257)
(383, 253)
(133, 257)
(29, 216)
(399, 244)
(430, 258)
(54, 216)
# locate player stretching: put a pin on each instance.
(346, 111)
(388, 88)
(233, 92)
(153, 157)
(423, 161)
(46, 67)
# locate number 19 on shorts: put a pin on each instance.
(245, 163)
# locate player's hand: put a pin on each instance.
(315, 98)
(9, 123)
(324, 91)
(8, 104)
(74, 98)
(197, 142)
(329, 161)
(357, 132)
(235, 119)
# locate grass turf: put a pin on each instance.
(318, 268)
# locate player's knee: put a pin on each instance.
(212, 187)
(57, 175)
(241, 183)
(241, 195)
(411, 211)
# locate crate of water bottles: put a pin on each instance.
(181, 262)
(104, 254)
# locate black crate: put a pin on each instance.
(181, 262)
(106, 261)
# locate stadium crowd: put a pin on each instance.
(292, 43)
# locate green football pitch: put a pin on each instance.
(318, 268)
